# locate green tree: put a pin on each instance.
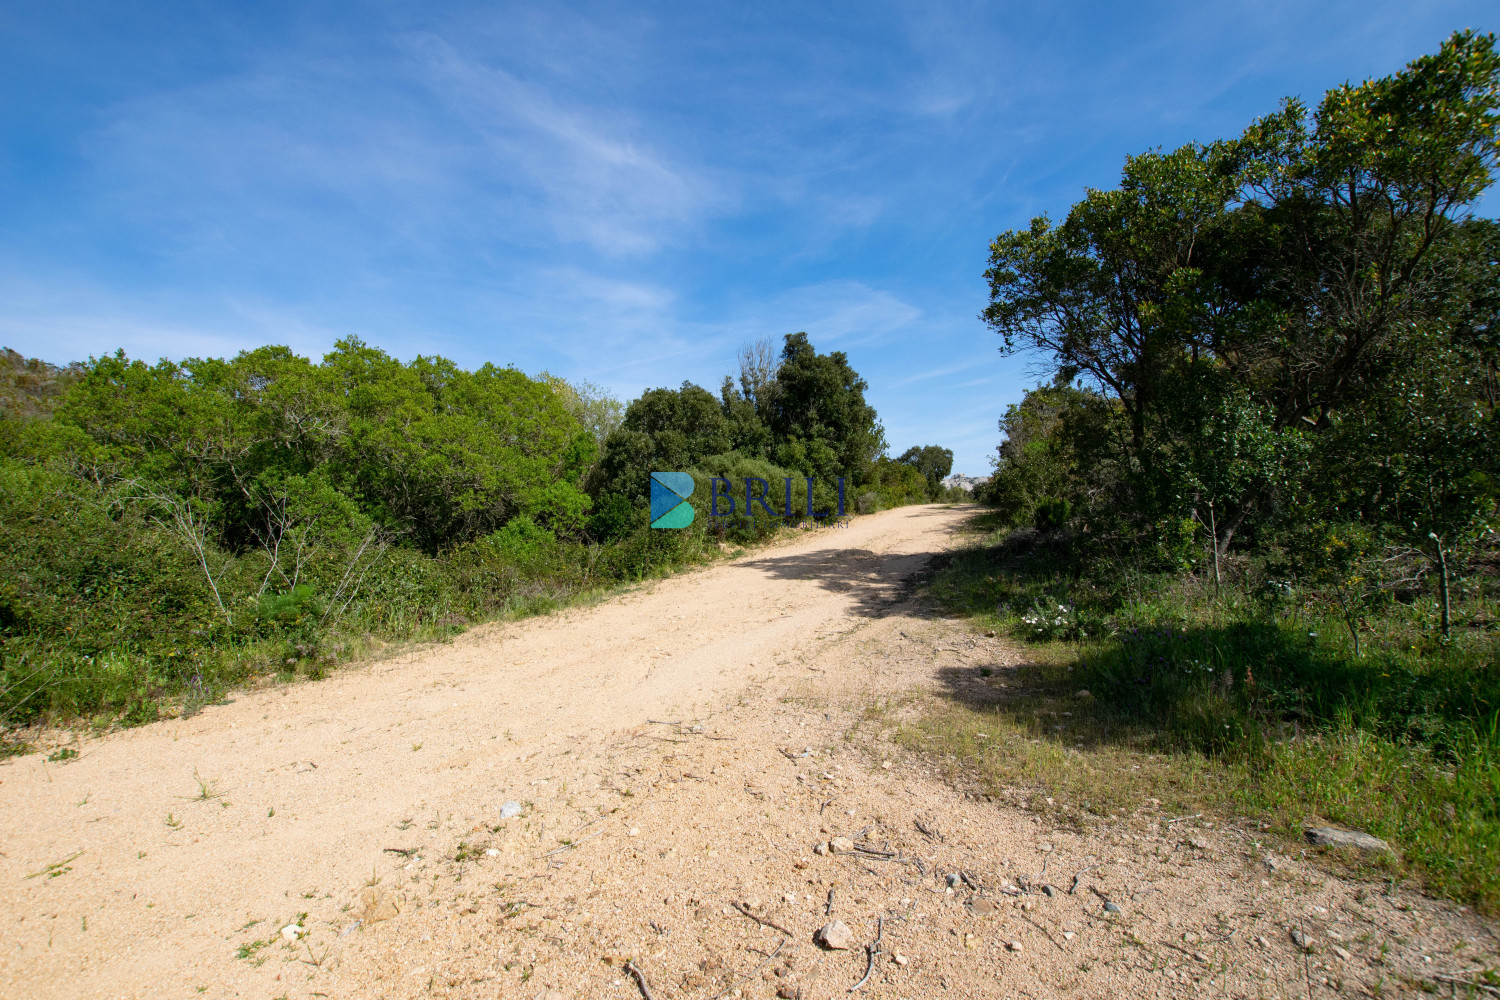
(818, 416)
(932, 461)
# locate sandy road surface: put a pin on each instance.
(336, 761)
(680, 752)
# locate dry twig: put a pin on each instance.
(640, 979)
(762, 921)
(871, 950)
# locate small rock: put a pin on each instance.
(291, 932)
(377, 906)
(1342, 953)
(1200, 957)
(1013, 946)
(841, 845)
(886, 765)
(1084, 693)
(1199, 844)
(1011, 889)
(820, 848)
(789, 992)
(1050, 892)
(788, 897)
(1069, 935)
(899, 958)
(510, 810)
(834, 936)
(1261, 940)
(1328, 836)
(970, 941)
(954, 880)
(1298, 938)
(1110, 907)
(490, 852)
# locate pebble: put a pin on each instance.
(834, 936)
(292, 932)
(634, 831)
(1084, 693)
(1069, 935)
(1013, 946)
(841, 845)
(1298, 938)
(1262, 941)
(1049, 891)
(1110, 907)
(954, 880)
(899, 958)
(510, 810)
(490, 852)
(1342, 953)
(820, 848)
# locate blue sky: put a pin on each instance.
(618, 192)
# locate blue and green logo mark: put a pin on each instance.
(669, 499)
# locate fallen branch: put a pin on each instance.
(762, 921)
(1472, 984)
(640, 979)
(1080, 875)
(871, 950)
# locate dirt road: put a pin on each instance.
(678, 754)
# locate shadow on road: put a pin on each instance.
(877, 582)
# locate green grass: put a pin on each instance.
(1252, 704)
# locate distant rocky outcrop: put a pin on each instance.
(965, 483)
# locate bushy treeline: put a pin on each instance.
(1279, 344)
(794, 415)
(1261, 493)
(169, 530)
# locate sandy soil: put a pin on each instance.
(682, 755)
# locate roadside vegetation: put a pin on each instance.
(169, 531)
(1249, 528)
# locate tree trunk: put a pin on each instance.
(1442, 561)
